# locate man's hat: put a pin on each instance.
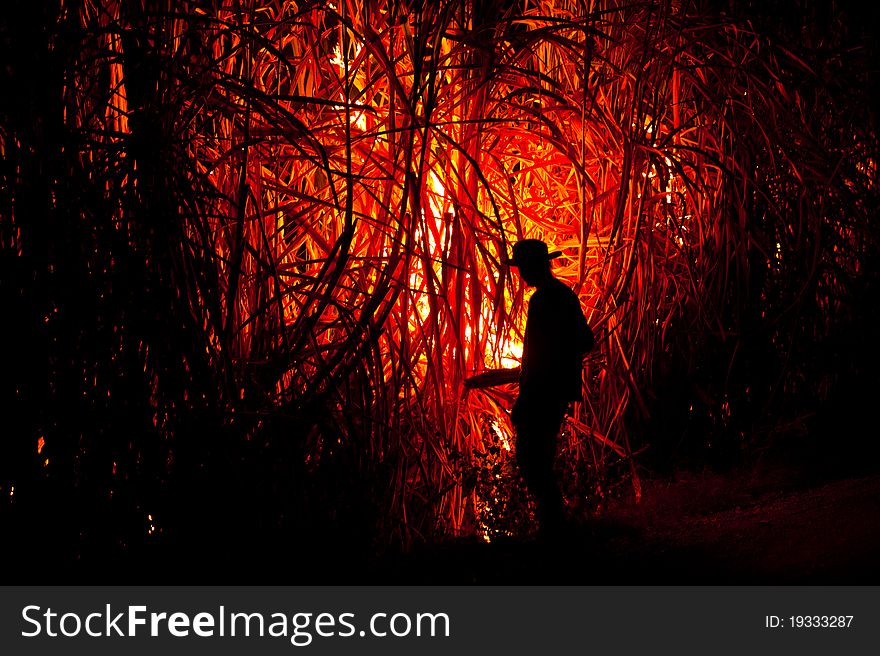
(530, 250)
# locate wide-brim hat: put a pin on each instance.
(530, 250)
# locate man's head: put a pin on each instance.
(532, 258)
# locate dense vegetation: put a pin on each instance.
(250, 252)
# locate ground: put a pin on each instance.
(762, 525)
(773, 522)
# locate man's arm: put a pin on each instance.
(492, 378)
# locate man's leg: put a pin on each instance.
(546, 488)
(535, 454)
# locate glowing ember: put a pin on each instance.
(501, 433)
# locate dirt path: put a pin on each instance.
(715, 530)
(827, 534)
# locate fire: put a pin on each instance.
(511, 354)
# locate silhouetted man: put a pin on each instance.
(557, 337)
